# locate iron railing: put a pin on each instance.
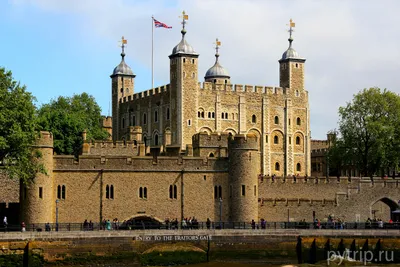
(145, 225)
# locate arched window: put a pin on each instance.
(226, 115)
(222, 115)
(155, 116)
(209, 115)
(277, 166)
(298, 167)
(213, 115)
(107, 191)
(63, 192)
(170, 192)
(145, 192)
(198, 114)
(175, 192)
(167, 113)
(144, 118)
(156, 139)
(297, 140)
(211, 155)
(219, 191)
(202, 114)
(276, 120)
(59, 191)
(111, 192)
(276, 139)
(253, 119)
(298, 121)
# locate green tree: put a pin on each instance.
(369, 132)
(17, 129)
(67, 118)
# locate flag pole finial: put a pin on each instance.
(184, 17)
(123, 43)
(291, 26)
(217, 45)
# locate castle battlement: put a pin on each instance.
(158, 90)
(139, 163)
(240, 88)
(109, 147)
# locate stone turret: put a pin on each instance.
(244, 162)
(37, 199)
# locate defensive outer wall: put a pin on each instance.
(272, 246)
(205, 187)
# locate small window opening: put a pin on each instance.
(297, 140)
(276, 139)
(298, 121)
(298, 167)
(276, 120)
(277, 167)
(243, 190)
(253, 119)
(40, 192)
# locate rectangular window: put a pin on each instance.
(40, 192)
(243, 190)
(255, 190)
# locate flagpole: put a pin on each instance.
(152, 52)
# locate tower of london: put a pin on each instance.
(199, 147)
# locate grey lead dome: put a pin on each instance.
(183, 47)
(217, 71)
(290, 53)
(122, 68)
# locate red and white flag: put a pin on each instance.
(159, 24)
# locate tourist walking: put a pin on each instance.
(5, 223)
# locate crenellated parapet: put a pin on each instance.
(109, 147)
(164, 89)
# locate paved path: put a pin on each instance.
(14, 236)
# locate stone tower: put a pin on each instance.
(122, 86)
(291, 67)
(291, 75)
(184, 96)
(244, 162)
(37, 199)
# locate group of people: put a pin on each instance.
(262, 225)
(187, 223)
(87, 225)
(108, 225)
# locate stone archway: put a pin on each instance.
(384, 209)
(142, 222)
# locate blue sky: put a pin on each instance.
(65, 47)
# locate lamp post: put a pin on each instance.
(220, 213)
(57, 214)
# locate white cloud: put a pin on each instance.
(349, 45)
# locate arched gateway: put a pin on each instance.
(385, 209)
(141, 222)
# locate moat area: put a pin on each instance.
(241, 248)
